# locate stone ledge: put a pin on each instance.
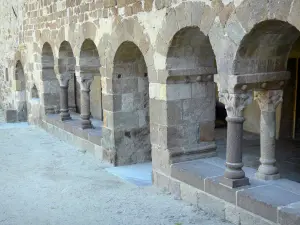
(262, 202)
(253, 81)
(203, 150)
(74, 140)
(290, 214)
(265, 200)
(194, 173)
(73, 126)
(207, 202)
(193, 72)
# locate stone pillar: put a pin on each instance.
(268, 102)
(85, 89)
(64, 109)
(234, 175)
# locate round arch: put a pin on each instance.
(131, 87)
(21, 99)
(66, 65)
(90, 67)
(51, 89)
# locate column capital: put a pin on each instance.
(268, 100)
(235, 103)
(85, 83)
(64, 79)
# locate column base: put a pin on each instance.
(86, 124)
(267, 177)
(65, 115)
(235, 183)
(65, 118)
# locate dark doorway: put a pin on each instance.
(293, 67)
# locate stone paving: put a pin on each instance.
(46, 181)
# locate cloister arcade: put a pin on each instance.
(136, 95)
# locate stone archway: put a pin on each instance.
(191, 67)
(90, 70)
(131, 89)
(265, 50)
(190, 50)
(21, 99)
(260, 65)
(50, 90)
(66, 64)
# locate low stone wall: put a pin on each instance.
(260, 203)
(73, 139)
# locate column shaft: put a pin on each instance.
(85, 109)
(64, 109)
(234, 145)
(234, 175)
(268, 101)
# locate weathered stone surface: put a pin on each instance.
(11, 116)
(289, 214)
(194, 173)
(122, 44)
(265, 200)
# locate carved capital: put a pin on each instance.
(85, 83)
(64, 79)
(268, 100)
(235, 103)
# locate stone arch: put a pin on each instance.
(127, 30)
(77, 35)
(185, 121)
(263, 53)
(190, 51)
(265, 48)
(185, 14)
(66, 64)
(90, 69)
(50, 93)
(20, 96)
(131, 87)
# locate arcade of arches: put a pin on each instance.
(158, 92)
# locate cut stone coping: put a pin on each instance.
(277, 201)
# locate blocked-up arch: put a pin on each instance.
(51, 89)
(130, 79)
(21, 102)
(128, 30)
(186, 120)
(190, 50)
(89, 67)
(66, 64)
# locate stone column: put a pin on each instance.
(268, 102)
(64, 108)
(85, 87)
(234, 175)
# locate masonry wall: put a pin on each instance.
(151, 26)
(11, 38)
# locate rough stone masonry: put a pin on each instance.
(136, 79)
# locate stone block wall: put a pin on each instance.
(11, 30)
(152, 63)
(179, 46)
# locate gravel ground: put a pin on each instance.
(46, 181)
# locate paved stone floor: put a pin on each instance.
(46, 181)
